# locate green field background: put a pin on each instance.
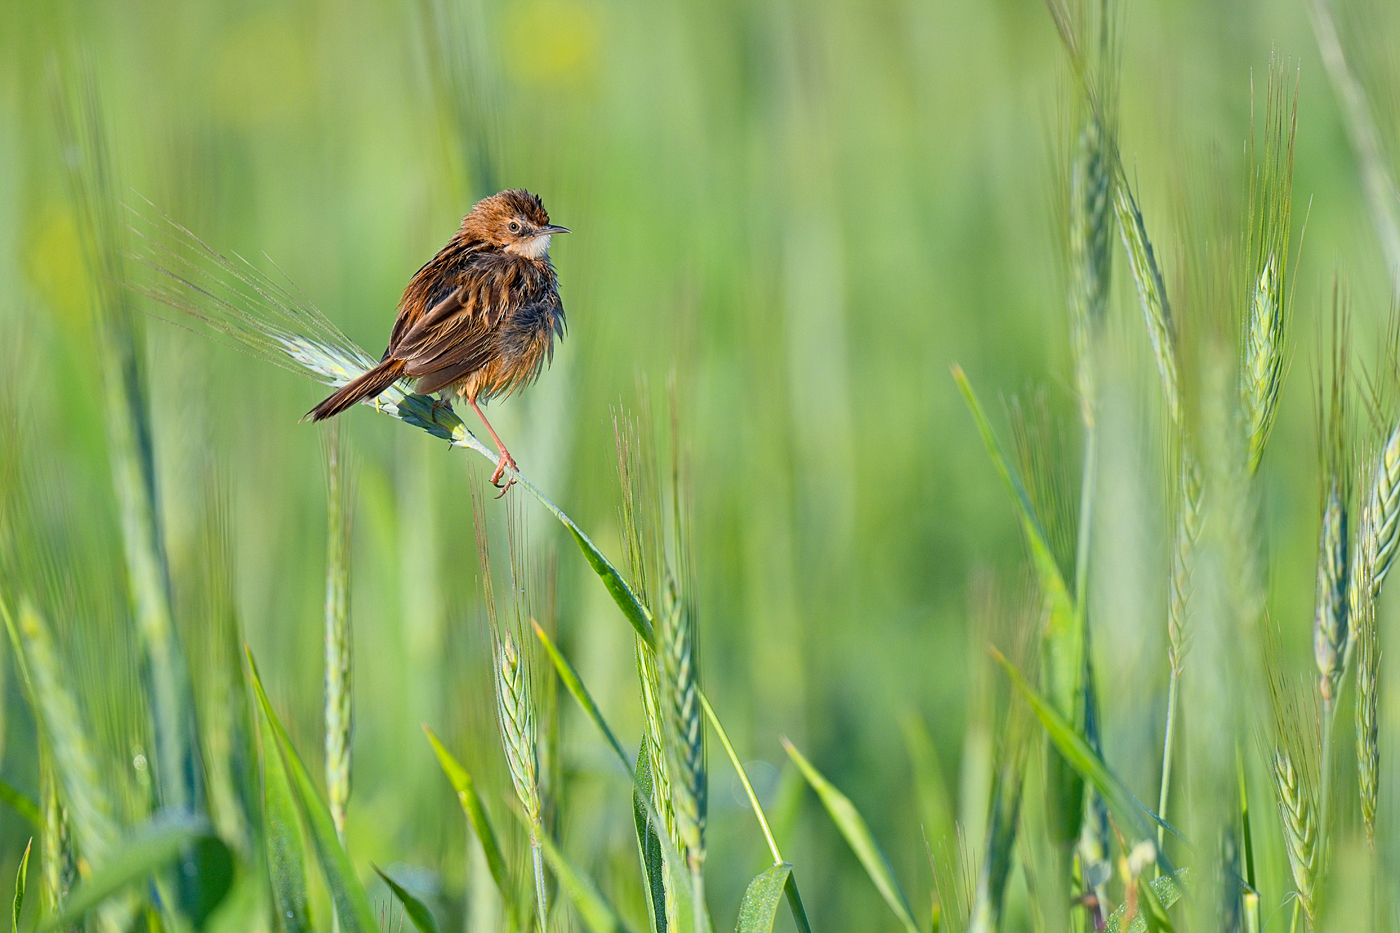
(806, 211)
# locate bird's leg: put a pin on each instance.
(506, 459)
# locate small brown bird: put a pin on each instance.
(479, 319)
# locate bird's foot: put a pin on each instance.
(506, 462)
(439, 404)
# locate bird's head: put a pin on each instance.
(514, 220)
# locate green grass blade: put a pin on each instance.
(417, 911)
(853, 827)
(799, 913)
(21, 804)
(1246, 831)
(351, 904)
(759, 908)
(593, 909)
(1154, 912)
(149, 851)
(1062, 641)
(1003, 825)
(743, 778)
(283, 839)
(1043, 555)
(475, 809)
(648, 843)
(1087, 763)
(21, 882)
(1155, 897)
(794, 899)
(575, 686)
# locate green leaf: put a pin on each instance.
(853, 827)
(149, 851)
(759, 908)
(1154, 898)
(475, 808)
(593, 909)
(574, 685)
(1003, 823)
(417, 911)
(351, 905)
(1062, 642)
(205, 869)
(21, 880)
(1078, 753)
(799, 913)
(648, 844)
(21, 805)
(1043, 555)
(285, 844)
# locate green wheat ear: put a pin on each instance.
(1297, 814)
(1330, 627)
(684, 725)
(1295, 771)
(1374, 550)
(1267, 299)
(513, 663)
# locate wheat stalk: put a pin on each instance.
(1187, 534)
(339, 713)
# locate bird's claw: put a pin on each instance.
(506, 461)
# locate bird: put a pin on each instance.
(478, 320)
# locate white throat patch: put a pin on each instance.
(533, 248)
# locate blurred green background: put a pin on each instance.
(807, 210)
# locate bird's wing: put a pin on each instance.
(430, 288)
(456, 333)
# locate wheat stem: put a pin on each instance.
(339, 713)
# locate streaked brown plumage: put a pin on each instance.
(479, 319)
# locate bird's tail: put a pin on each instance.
(358, 389)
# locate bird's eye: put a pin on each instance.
(515, 226)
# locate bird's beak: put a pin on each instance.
(551, 229)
